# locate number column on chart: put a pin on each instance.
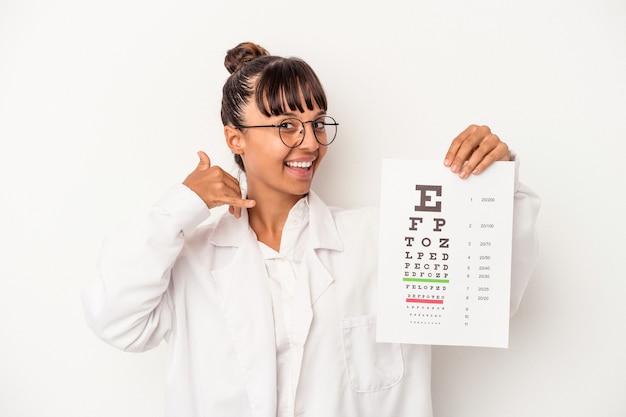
(478, 257)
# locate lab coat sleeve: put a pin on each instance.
(128, 304)
(525, 246)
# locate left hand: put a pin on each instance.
(474, 149)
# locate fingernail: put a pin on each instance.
(455, 168)
(463, 174)
(446, 162)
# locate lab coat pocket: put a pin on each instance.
(371, 366)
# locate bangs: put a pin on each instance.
(288, 85)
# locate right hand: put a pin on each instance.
(216, 187)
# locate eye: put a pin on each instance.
(289, 125)
(319, 124)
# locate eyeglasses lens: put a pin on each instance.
(292, 131)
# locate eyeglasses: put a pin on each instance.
(291, 130)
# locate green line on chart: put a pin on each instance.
(440, 281)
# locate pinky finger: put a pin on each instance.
(235, 211)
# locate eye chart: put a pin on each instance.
(445, 254)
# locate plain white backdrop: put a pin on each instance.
(103, 105)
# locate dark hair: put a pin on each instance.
(275, 83)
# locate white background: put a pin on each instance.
(103, 105)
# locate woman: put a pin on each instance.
(271, 311)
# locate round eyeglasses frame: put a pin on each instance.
(325, 120)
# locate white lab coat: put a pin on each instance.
(205, 291)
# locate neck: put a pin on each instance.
(267, 218)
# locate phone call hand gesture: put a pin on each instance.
(216, 187)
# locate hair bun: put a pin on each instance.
(242, 53)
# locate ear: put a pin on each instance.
(234, 139)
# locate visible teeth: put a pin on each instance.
(299, 164)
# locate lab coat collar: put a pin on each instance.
(324, 234)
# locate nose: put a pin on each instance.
(309, 141)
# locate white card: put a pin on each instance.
(445, 254)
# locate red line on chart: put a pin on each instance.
(423, 300)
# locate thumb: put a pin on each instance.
(205, 161)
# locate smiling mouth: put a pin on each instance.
(301, 165)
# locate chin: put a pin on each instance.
(302, 191)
